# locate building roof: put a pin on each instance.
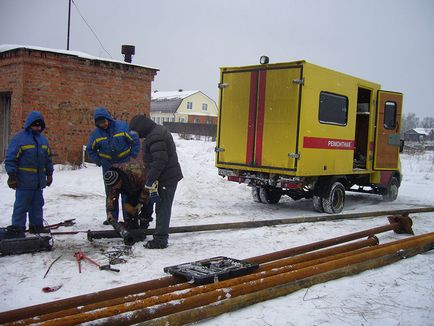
(421, 131)
(166, 105)
(168, 102)
(181, 94)
(12, 47)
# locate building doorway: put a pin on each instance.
(5, 123)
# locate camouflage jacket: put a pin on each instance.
(133, 174)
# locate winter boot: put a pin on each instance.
(37, 229)
(11, 232)
(155, 245)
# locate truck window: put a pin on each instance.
(333, 109)
(389, 115)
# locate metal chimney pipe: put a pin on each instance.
(128, 51)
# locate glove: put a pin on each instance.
(12, 181)
(49, 180)
(153, 192)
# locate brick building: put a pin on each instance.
(66, 87)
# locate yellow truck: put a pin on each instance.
(305, 131)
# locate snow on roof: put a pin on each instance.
(171, 95)
(10, 47)
(423, 131)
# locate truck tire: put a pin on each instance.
(255, 195)
(392, 190)
(270, 195)
(317, 204)
(334, 201)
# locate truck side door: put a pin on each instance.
(388, 126)
(238, 99)
(258, 118)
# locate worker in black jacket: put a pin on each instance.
(164, 173)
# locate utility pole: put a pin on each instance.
(69, 23)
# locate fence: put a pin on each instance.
(197, 129)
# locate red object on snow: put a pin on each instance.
(49, 289)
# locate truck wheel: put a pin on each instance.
(391, 190)
(333, 202)
(270, 195)
(255, 195)
(317, 204)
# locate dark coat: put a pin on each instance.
(159, 151)
(29, 156)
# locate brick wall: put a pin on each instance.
(201, 119)
(67, 89)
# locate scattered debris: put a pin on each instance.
(49, 267)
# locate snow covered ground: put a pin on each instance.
(398, 294)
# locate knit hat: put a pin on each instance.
(111, 177)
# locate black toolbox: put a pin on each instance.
(212, 269)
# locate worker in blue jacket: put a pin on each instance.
(29, 167)
(111, 142)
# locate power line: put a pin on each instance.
(96, 36)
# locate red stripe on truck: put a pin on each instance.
(261, 114)
(328, 143)
(252, 116)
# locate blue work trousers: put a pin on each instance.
(28, 201)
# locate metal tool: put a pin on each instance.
(79, 256)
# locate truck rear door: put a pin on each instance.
(259, 111)
(388, 126)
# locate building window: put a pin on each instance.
(333, 109)
(157, 120)
(204, 107)
(181, 120)
(389, 115)
(190, 105)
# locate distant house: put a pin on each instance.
(183, 106)
(419, 134)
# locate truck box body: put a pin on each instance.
(288, 120)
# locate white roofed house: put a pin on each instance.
(183, 106)
(419, 134)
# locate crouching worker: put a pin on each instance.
(128, 179)
(29, 167)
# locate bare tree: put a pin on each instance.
(427, 122)
(409, 121)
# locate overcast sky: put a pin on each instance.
(390, 42)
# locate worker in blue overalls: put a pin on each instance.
(111, 142)
(29, 167)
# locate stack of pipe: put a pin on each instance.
(171, 301)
